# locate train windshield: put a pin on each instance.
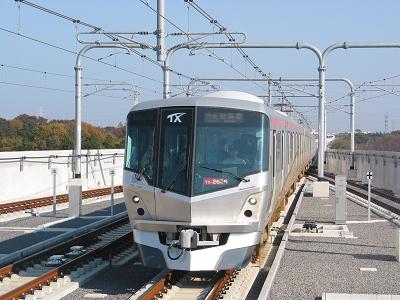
(140, 137)
(191, 151)
(230, 145)
(175, 148)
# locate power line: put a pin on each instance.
(370, 83)
(113, 37)
(53, 89)
(372, 97)
(46, 10)
(56, 74)
(74, 53)
(231, 38)
(212, 53)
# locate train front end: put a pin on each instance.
(195, 182)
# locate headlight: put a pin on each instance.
(253, 201)
(135, 199)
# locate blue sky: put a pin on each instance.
(320, 23)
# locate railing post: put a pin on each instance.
(112, 173)
(54, 172)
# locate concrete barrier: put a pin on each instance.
(384, 165)
(27, 174)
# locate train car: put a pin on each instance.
(204, 177)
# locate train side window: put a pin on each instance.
(287, 148)
(273, 153)
(279, 154)
(291, 146)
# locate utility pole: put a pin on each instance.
(160, 30)
(386, 122)
(269, 94)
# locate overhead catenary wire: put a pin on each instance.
(113, 37)
(230, 37)
(49, 11)
(59, 74)
(369, 83)
(105, 81)
(247, 58)
(74, 53)
(54, 89)
(211, 53)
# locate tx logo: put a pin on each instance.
(175, 118)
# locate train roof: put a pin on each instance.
(230, 99)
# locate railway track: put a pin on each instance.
(31, 278)
(361, 191)
(191, 285)
(12, 207)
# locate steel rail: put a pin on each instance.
(45, 201)
(54, 274)
(161, 286)
(220, 282)
(83, 239)
(219, 287)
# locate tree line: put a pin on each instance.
(369, 141)
(25, 133)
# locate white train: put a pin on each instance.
(205, 176)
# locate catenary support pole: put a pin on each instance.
(346, 45)
(269, 94)
(160, 30)
(78, 97)
(78, 118)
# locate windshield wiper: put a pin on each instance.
(181, 168)
(244, 179)
(171, 183)
(140, 174)
(142, 168)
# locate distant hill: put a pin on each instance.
(26, 132)
(369, 141)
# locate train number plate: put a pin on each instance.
(215, 181)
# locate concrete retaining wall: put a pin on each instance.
(27, 174)
(384, 165)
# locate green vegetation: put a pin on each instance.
(369, 141)
(36, 133)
